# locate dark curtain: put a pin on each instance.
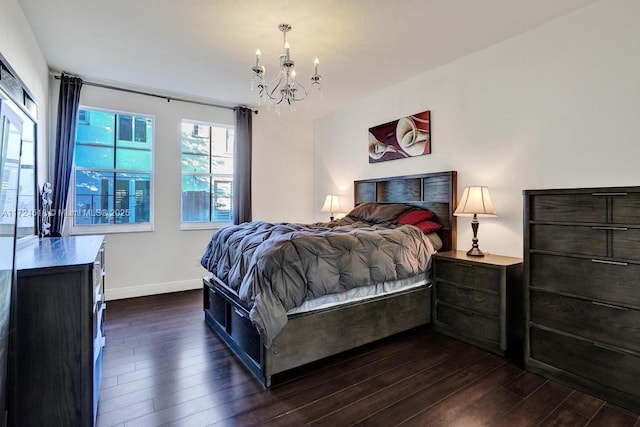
(242, 166)
(68, 103)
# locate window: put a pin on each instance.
(207, 173)
(113, 164)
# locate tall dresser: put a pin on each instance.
(58, 334)
(582, 279)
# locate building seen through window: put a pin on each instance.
(113, 168)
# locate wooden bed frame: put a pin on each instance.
(311, 336)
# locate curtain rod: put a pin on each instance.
(154, 95)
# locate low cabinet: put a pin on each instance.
(57, 332)
(479, 300)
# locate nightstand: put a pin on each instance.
(479, 300)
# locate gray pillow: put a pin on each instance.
(378, 213)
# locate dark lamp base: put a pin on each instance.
(475, 252)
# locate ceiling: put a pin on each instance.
(204, 49)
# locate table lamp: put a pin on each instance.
(331, 205)
(475, 202)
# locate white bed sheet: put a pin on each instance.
(361, 293)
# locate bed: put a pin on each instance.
(270, 334)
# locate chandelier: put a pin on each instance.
(283, 88)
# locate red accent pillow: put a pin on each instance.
(415, 216)
(428, 226)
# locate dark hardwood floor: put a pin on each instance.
(164, 366)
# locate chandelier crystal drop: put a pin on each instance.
(283, 89)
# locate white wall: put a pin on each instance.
(20, 48)
(555, 107)
(168, 259)
(282, 167)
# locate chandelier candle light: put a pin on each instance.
(283, 88)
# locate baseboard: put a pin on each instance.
(151, 289)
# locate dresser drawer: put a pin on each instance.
(98, 321)
(614, 325)
(625, 209)
(475, 326)
(570, 239)
(617, 284)
(471, 299)
(98, 275)
(97, 282)
(583, 207)
(97, 382)
(470, 275)
(608, 366)
(625, 243)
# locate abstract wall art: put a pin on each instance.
(406, 137)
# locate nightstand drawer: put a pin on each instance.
(470, 275)
(609, 324)
(475, 326)
(471, 299)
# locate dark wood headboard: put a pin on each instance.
(437, 192)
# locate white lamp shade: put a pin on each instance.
(475, 200)
(332, 204)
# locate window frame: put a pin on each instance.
(115, 227)
(203, 225)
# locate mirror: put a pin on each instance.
(17, 101)
(10, 143)
(27, 199)
(18, 190)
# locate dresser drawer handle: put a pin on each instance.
(602, 304)
(602, 261)
(609, 194)
(610, 228)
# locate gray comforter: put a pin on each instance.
(274, 267)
